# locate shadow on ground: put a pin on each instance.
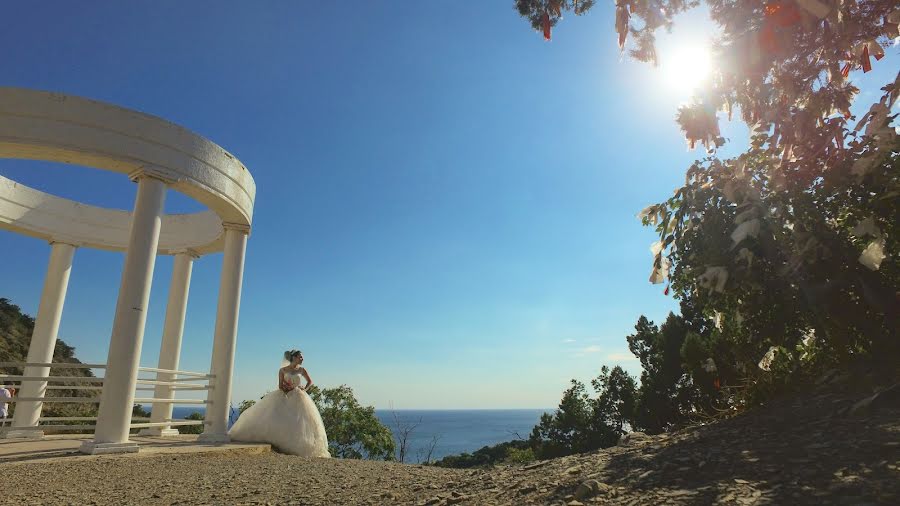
(812, 451)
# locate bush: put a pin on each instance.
(519, 455)
(487, 455)
(192, 429)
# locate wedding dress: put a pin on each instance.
(288, 421)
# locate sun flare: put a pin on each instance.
(686, 68)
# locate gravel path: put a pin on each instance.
(210, 478)
(826, 449)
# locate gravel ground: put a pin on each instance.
(825, 449)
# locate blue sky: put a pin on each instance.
(446, 203)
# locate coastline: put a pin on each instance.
(458, 430)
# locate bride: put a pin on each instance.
(286, 418)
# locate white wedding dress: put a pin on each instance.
(288, 421)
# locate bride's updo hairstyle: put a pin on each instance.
(290, 354)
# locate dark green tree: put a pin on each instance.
(354, 431)
(581, 423)
(565, 431)
(661, 398)
(615, 405)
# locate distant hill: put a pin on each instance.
(16, 328)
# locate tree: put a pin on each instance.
(615, 404)
(661, 398)
(403, 430)
(583, 424)
(426, 455)
(138, 411)
(353, 430)
(564, 432)
(790, 246)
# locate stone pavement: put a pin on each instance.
(66, 447)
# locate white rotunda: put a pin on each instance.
(158, 156)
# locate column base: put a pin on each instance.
(159, 432)
(213, 438)
(14, 433)
(95, 448)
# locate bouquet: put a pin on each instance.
(285, 385)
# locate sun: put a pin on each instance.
(686, 68)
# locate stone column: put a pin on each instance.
(170, 348)
(222, 366)
(124, 356)
(43, 339)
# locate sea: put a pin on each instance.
(451, 431)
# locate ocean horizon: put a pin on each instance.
(453, 431)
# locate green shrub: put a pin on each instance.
(519, 455)
(192, 429)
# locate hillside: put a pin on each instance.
(15, 335)
(829, 446)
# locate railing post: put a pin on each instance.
(43, 339)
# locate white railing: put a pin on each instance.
(176, 381)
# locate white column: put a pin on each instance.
(124, 357)
(222, 365)
(43, 339)
(170, 348)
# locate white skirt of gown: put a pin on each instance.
(288, 421)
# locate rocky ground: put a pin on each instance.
(826, 448)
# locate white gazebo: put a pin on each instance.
(158, 156)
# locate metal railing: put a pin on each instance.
(179, 380)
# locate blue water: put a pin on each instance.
(458, 431)
(461, 431)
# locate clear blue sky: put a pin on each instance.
(446, 203)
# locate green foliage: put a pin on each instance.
(519, 456)
(535, 10)
(15, 336)
(192, 429)
(663, 396)
(245, 405)
(790, 247)
(490, 455)
(15, 329)
(614, 406)
(353, 430)
(138, 411)
(582, 424)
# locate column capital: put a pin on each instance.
(238, 227)
(189, 252)
(54, 240)
(152, 172)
